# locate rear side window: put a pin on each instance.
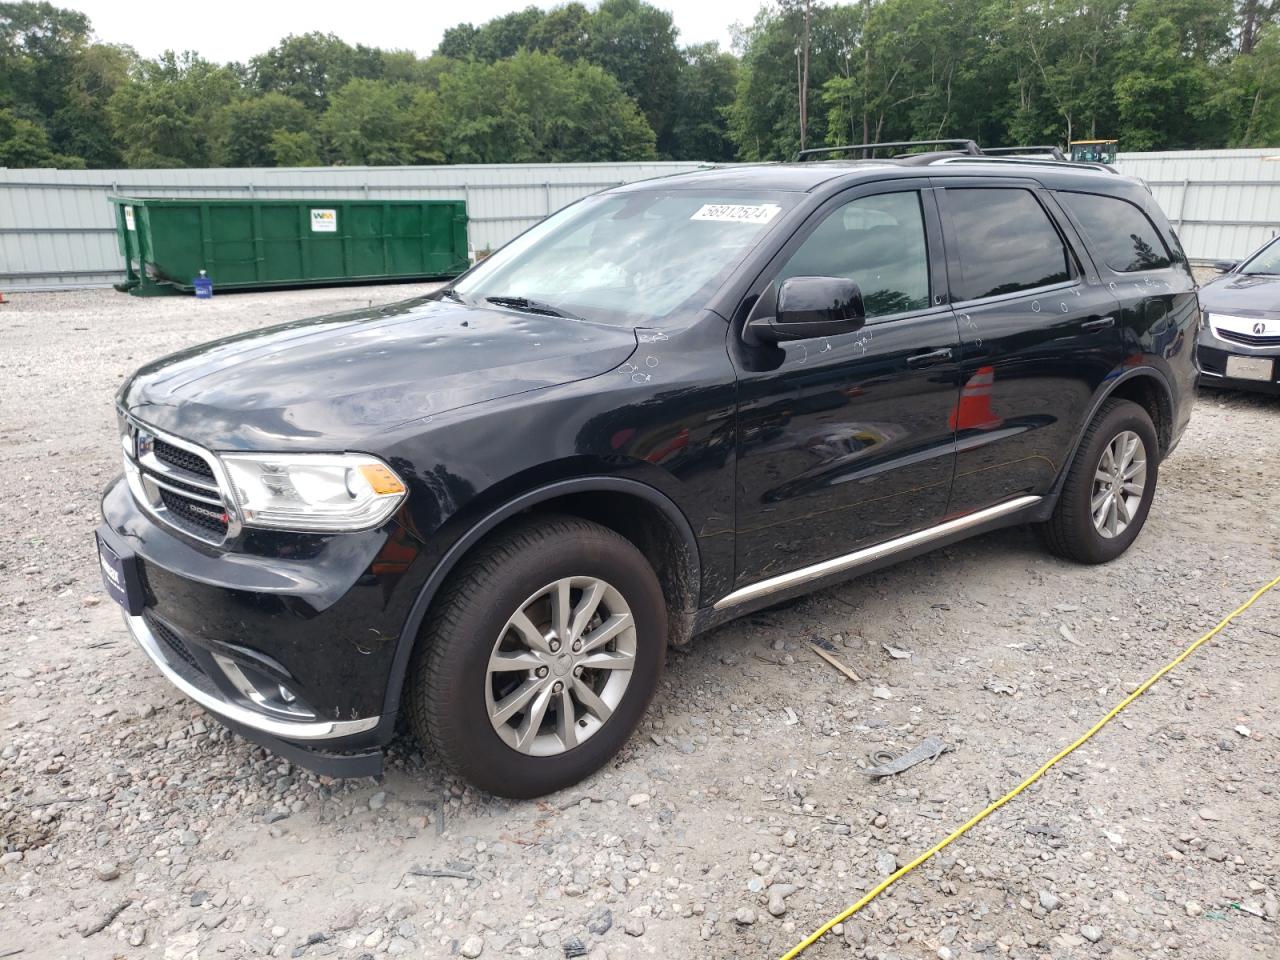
(1120, 233)
(1006, 242)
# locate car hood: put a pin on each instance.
(330, 382)
(1243, 294)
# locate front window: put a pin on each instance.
(1265, 262)
(628, 258)
(877, 241)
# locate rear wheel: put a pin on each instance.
(540, 656)
(1108, 491)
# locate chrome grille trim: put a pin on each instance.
(148, 475)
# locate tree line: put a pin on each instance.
(612, 82)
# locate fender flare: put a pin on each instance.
(1132, 373)
(530, 498)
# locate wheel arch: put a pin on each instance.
(1146, 386)
(652, 521)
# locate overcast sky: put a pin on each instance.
(237, 29)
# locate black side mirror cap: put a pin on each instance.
(1225, 266)
(811, 307)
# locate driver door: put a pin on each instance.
(848, 440)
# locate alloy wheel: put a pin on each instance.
(560, 666)
(1119, 482)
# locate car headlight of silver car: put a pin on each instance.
(313, 491)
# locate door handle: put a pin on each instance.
(1100, 324)
(930, 358)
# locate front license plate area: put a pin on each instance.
(1250, 368)
(120, 577)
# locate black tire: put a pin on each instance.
(449, 679)
(1070, 532)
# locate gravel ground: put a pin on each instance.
(738, 817)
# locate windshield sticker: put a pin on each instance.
(737, 212)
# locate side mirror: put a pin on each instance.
(1225, 266)
(812, 307)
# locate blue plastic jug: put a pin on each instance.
(203, 285)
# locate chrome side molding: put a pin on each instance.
(866, 555)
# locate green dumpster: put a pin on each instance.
(253, 244)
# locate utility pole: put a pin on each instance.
(804, 75)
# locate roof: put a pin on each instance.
(807, 177)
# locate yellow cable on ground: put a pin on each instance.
(887, 882)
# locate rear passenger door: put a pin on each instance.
(1038, 336)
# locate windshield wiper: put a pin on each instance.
(526, 305)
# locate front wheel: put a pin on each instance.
(540, 656)
(1108, 491)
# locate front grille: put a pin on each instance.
(182, 459)
(172, 641)
(199, 515)
(1249, 339)
(177, 483)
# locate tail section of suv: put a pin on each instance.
(491, 509)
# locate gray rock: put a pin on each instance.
(1091, 933)
(778, 894)
(472, 947)
(634, 927)
(745, 916)
(378, 800)
(107, 870)
(600, 921)
(886, 863)
(1049, 901)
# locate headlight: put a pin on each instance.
(306, 491)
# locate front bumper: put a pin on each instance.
(279, 736)
(1213, 351)
(315, 616)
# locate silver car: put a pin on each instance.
(1239, 341)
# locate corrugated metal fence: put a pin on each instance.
(57, 231)
(1223, 203)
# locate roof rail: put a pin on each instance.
(1055, 152)
(1027, 162)
(968, 146)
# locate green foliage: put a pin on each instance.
(636, 43)
(607, 80)
(705, 89)
(290, 149)
(25, 144)
(1246, 98)
(170, 112)
(370, 122)
(310, 67)
(248, 130)
(564, 31)
(534, 107)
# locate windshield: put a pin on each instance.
(629, 258)
(1267, 260)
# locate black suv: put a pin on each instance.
(492, 508)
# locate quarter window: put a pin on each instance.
(1121, 234)
(1005, 241)
(877, 241)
